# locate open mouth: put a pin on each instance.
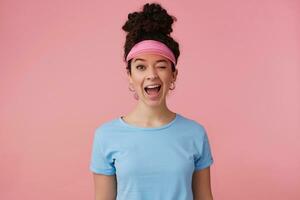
(152, 90)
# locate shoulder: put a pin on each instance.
(105, 127)
(192, 124)
(107, 124)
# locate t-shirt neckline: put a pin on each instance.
(148, 128)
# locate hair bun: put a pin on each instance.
(153, 19)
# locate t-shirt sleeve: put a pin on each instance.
(204, 158)
(100, 163)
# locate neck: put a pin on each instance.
(149, 113)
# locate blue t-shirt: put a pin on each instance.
(151, 163)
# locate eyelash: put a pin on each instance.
(143, 66)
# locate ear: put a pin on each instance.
(129, 77)
(175, 73)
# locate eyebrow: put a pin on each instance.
(162, 60)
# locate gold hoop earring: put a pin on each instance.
(135, 95)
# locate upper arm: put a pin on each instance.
(102, 166)
(105, 187)
(201, 184)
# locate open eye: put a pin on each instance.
(140, 66)
(162, 67)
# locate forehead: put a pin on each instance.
(150, 57)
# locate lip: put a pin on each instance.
(154, 98)
(152, 84)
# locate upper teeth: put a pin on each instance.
(152, 86)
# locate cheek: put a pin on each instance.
(167, 79)
(138, 84)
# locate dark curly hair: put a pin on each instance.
(153, 23)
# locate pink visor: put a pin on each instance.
(151, 46)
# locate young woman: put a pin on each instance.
(152, 153)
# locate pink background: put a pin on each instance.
(62, 75)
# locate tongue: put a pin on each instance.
(152, 91)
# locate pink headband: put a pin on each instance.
(151, 46)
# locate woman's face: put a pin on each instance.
(151, 69)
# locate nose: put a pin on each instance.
(152, 73)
